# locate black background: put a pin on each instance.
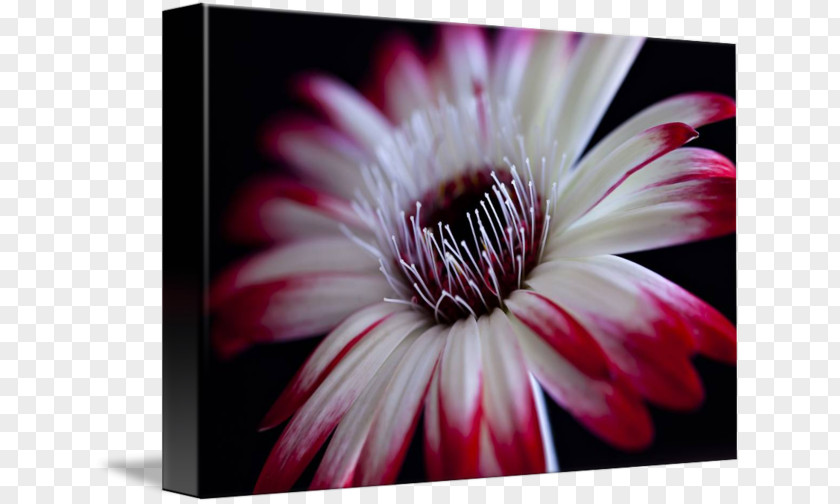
(253, 55)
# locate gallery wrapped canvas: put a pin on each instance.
(403, 252)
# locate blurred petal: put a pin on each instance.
(488, 464)
(338, 466)
(351, 112)
(313, 255)
(549, 59)
(402, 77)
(464, 60)
(511, 55)
(318, 153)
(325, 357)
(293, 307)
(316, 419)
(278, 209)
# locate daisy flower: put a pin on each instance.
(459, 249)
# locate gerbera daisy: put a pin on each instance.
(459, 250)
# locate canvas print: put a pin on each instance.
(440, 251)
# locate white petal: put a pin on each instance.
(399, 410)
(286, 219)
(349, 110)
(318, 303)
(511, 56)
(644, 228)
(587, 188)
(432, 436)
(598, 68)
(325, 357)
(616, 415)
(460, 383)
(508, 403)
(321, 154)
(686, 195)
(625, 290)
(488, 463)
(310, 427)
(563, 282)
(280, 209)
(546, 74)
(338, 466)
(460, 376)
(694, 109)
(646, 330)
(318, 254)
(464, 52)
(293, 307)
(404, 79)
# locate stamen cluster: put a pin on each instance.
(473, 269)
(457, 225)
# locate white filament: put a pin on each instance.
(436, 146)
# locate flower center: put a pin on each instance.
(456, 198)
(458, 212)
(470, 242)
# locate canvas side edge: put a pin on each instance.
(184, 242)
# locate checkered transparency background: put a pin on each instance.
(80, 251)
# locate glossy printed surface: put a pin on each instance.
(670, 441)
